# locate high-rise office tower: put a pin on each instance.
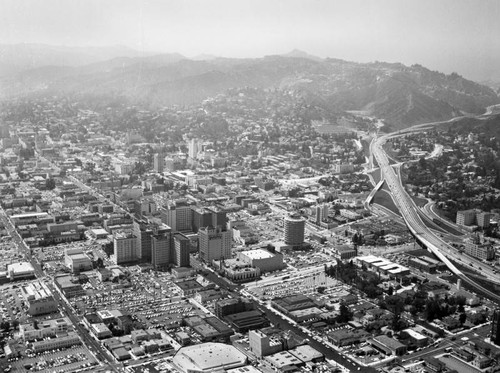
(193, 148)
(219, 217)
(180, 250)
(495, 327)
(201, 218)
(177, 215)
(214, 243)
(159, 162)
(324, 211)
(317, 214)
(161, 249)
(124, 247)
(294, 227)
(144, 232)
(143, 235)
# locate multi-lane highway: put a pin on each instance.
(410, 214)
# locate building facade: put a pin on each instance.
(181, 250)
(161, 252)
(294, 228)
(124, 247)
(264, 260)
(177, 215)
(158, 162)
(495, 327)
(214, 244)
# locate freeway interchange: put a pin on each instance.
(410, 213)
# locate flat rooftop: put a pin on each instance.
(30, 214)
(399, 269)
(414, 334)
(208, 356)
(370, 259)
(20, 268)
(306, 353)
(381, 263)
(258, 254)
(35, 291)
(99, 231)
(283, 359)
(79, 257)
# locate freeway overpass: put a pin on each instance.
(413, 220)
(373, 192)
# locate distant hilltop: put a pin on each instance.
(400, 95)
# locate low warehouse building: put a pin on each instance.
(208, 357)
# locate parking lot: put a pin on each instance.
(151, 297)
(296, 284)
(8, 251)
(67, 360)
(12, 304)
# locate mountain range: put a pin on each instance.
(401, 95)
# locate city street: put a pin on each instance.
(285, 324)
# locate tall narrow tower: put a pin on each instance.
(294, 228)
(159, 162)
(495, 327)
(193, 148)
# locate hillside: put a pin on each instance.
(399, 94)
(15, 58)
(489, 126)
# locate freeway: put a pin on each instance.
(372, 194)
(411, 216)
(428, 208)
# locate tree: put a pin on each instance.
(462, 318)
(395, 304)
(422, 163)
(371, 290)
(139, 168)
(397, 324)
(108, 248)
(99, 263)
(345, 314)
(14, 324)
(432, 309)
(50, 183)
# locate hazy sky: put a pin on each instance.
(445, 35)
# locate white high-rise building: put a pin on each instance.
(324, 212)
(215, 243)
(193, 148)
(124, 247)
(159, 162)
